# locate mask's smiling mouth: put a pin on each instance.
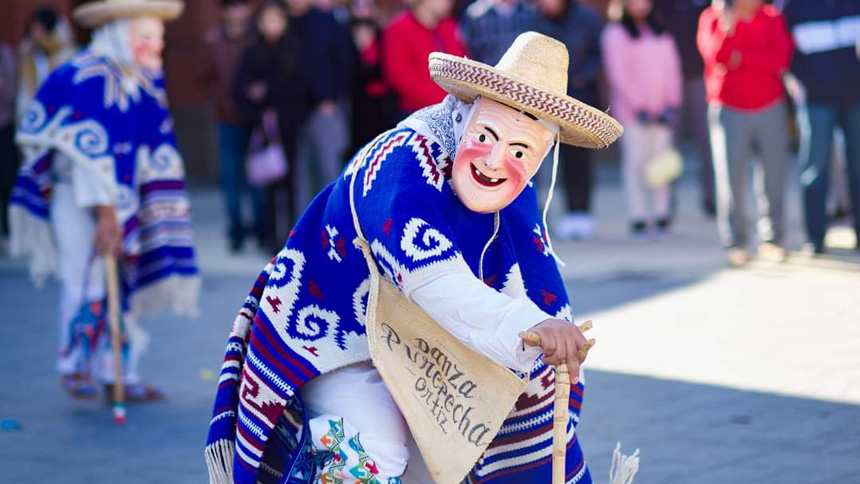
(484, 180)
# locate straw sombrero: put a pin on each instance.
(95, 13)
(532, 76)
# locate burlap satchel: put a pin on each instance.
(453, 399)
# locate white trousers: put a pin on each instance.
(639, 144)
(82, 278)
(357, 394)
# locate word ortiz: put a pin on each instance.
(444, 389)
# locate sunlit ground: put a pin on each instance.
(718, 374)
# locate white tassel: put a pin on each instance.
(179, 294)
(219, 461)
(623, 467)
(32, 237)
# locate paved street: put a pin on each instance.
(717, 375)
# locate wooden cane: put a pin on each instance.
(561, 405)
(112, 280)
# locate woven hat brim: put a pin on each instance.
(94, 14)
(580, 124)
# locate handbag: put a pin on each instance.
(266, 162)
(664, 168)
(453, 399)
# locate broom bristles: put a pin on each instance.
(623, 467)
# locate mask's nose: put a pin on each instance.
(493, 160)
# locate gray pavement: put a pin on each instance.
(717, 375)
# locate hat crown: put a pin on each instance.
(537, 60)
(118, 2)
(97, 12)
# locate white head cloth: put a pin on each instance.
(113, 40)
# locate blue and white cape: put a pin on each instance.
(118, 128)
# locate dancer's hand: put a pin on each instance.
(561, 342)
(108, 235)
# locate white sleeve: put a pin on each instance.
(89, 190)
(484, 319)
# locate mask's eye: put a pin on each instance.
(482, 138)
(518, 154)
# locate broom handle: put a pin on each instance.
(112, 279)
(561, 407)
(559, 423)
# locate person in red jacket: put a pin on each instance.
(746, 48)
(408, 41)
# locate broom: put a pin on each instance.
(561, 405)
(112, 280)
(623, 467)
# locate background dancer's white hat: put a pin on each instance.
(98, 12)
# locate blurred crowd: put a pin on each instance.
(300, 85)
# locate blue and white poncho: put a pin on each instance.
(305, 314)
(119, 129)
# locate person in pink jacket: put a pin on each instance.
(644, 72)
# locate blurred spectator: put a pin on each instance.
(681, 17)
(338, 8)
(8, 151)
(827, 67)
(224, 47)
(373, 106)
(579, 28)
(270, 79)
(746, 48)
(48, 44)
(408, 41)
(839, 198)
(489, 27)
(644, 73)
(325, 59)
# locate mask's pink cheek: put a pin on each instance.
(141, 52)
(516, 172)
